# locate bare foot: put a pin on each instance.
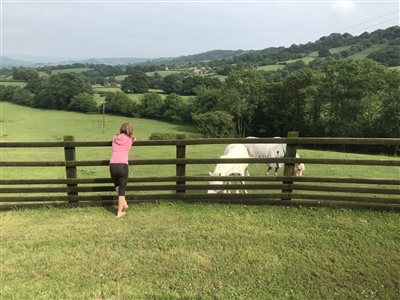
(121, 214)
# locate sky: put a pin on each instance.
(80, 29)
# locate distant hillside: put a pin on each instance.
(382, 45)
(205, 56)
(8, 62)
(386, 41)
(115, 60)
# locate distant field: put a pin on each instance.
(364, 53)
(271, 67)
(220, 77)
(164, 73)
(339, 49)
(71, 70)
(13, 83)
(120, 78)
(307, 59)
(395, 68)
(59, 71)
(106, 89)
(135, 97)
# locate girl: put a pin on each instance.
(121, 144)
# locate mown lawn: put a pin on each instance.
(199, 251)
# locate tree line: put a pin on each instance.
(345, 97)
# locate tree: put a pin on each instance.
(349, 89)
(23, 97)
(389, 56)
(83, 102)
(118, 103)
(215, 124)
(388, 122)
(58, 91)
(151, 106)
(155, 81)
(172, 83)
(135, 82)
(175, 109)
(243, 93)
(207, 100)
(25, 74)
(324, 52)
(7, 92)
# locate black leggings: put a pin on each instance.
(119, 175)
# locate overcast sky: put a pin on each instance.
(86, 29)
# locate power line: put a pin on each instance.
(391, 13)
(375, 25)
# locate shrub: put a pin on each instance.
(215, 124)
(83, 102)
(151, 106)
(155, 136)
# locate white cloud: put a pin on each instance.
(344, 7)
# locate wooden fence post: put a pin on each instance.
(289, 167)
(180, 168)
(70, 171)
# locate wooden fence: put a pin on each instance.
(382, 193)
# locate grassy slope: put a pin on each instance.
(20, 123)
(364, 53)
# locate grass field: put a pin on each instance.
(13, 83)
(174, 250)
(201, 251)
(364, 53)
(271, 67)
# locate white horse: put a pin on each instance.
(272, 151)
(228, 169)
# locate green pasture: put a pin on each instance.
(60, 71)
(364, 53)
(338, 49)
(70, 70)
(220, 77)
(120, 77)
(106, 89)
(165, 72)
(176, 250)
(13, 83)
(27, 124)
(134, 97)
(271, 67)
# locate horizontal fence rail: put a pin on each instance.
(291, 141)
(383, 193)
(199, 161)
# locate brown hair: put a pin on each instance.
(127, 129)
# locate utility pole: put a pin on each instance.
(104, 105)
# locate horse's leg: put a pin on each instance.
(227, 191)
(245, 191)
(276, 170)
(269, 169)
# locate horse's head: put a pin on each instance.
(214, 183)
(299, 169)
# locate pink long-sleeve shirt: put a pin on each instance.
(121, 144)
